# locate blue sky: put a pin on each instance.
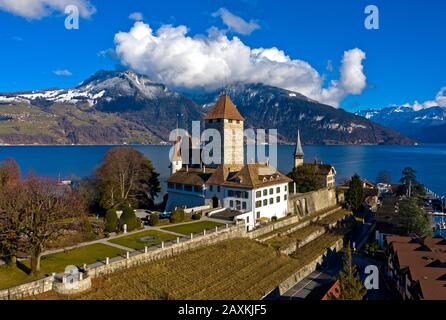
(404, 59)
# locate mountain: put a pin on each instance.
(425, 125)
(115, 107)
(270, 107)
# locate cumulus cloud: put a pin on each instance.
(236, 23)
(37, 9)
(172, 57)
(137, 16)
(62, 73)
(439, 101)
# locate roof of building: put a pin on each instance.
(248, 176)
(425, 261)
(252, 175)
(224, 109)
(191, 176)
(298, 151)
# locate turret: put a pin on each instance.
(298, 153)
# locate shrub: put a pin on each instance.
(274, 219)
(128, 217)
(177, 216)
(154, 219)
(111, 220)
(196, 216)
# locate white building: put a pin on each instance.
(253, 192)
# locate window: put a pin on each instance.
(278, 190)
(271, 191)
(238, 121)
(278, 199)
(246, 195)
(265, 202)
(243, 205)
(230, 121)
(210, 121)
(285, 197)
(170, 185)
(188, 188)
(211, 188)
(258, 204)
(198, 189)
(271, 201)
(230, 193)
(238, 205)
(265, 192)
(231, 203)
(286, 188)
(258, 194)
(247, 219)
(179, 186)
(258, 215)
(218, 188)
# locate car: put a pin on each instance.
(165, 215)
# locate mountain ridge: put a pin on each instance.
(119, 107)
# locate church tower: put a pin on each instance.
(298, 153)
(227, 120)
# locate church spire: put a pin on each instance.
(299, 152)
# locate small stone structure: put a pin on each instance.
(303, 204)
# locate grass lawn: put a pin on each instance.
(137, 241)
(56, 262)
(196, 227)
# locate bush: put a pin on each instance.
(196, 216)
(128, 217)
(154, 219)
(177, 216)
(111, 220)
(274, 219)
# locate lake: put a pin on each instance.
(72, 162)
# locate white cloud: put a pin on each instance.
(439, 101)
(172, 57)
(236, 23)
(137, 16)
(36, 9)
(62, 73)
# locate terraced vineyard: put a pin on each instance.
(233, 269)
(315, 248)
(280, 242)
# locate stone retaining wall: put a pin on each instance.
(27, 289)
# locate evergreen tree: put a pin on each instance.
(413, 218)
(111, 220)
(412, 186)
(355, 194)
(128, 217)
(306, 178)
(351, 286)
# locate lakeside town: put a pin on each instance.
(230, 230)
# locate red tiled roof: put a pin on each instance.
(224, 109)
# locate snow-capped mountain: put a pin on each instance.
(103, 85)
(125, 107)
(426, 125)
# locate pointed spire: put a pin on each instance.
(299, 152)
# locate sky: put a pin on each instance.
(320, 48)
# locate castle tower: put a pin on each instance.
(227, 120)
(298, 153)
(177, 160)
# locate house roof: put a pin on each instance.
(425, 261)
(224, 109)
(248, 176)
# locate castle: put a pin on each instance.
(253, 192)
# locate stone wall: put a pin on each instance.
(303, 204)
(305, 271)
(27, 289)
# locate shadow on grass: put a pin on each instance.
(23, 267)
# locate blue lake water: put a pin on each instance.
(79, 161)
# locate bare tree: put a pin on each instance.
(44, 203)
(9, 172)
(127, 176)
